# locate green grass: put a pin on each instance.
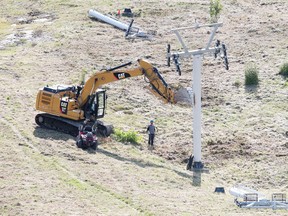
(76, 183)
(284, 69)
(5, 27)
(251, 75)
(8, 51)
(127, 136)
(237, 83)
(82, 76)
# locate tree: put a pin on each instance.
(215, 9)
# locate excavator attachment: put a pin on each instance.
(158, 86)
(184, 95)
(161, 89)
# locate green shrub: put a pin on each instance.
(128, 136)
(215, 9)
(251, 75)
(237, 83)
(82, 76)
(284, 69)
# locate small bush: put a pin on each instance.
(251, 75)
(129, 136)
(284, 69)
(215, 9)
(82, 76)
(237, 83)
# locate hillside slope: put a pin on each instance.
(243, 129)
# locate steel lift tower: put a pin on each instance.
(197, 55)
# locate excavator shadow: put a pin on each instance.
(90, 151)
(137, 162)
(144, 164)
(45, 133)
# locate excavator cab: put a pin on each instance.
(96, 104)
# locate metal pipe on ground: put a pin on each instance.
(94, 14)
(131, 32)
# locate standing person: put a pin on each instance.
(151, 131)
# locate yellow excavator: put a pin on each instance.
(67, 107)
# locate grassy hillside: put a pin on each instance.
(243, 127)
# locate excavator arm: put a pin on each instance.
(158, 86)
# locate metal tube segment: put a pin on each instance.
(182, 42)
(199, 26)
(197, 64)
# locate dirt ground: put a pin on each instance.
(244, 128)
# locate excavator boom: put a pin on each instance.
(158, 86)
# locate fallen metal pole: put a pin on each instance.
(131, 32)
(111, 21)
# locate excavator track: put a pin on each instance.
(69, 126)
(58, 124)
